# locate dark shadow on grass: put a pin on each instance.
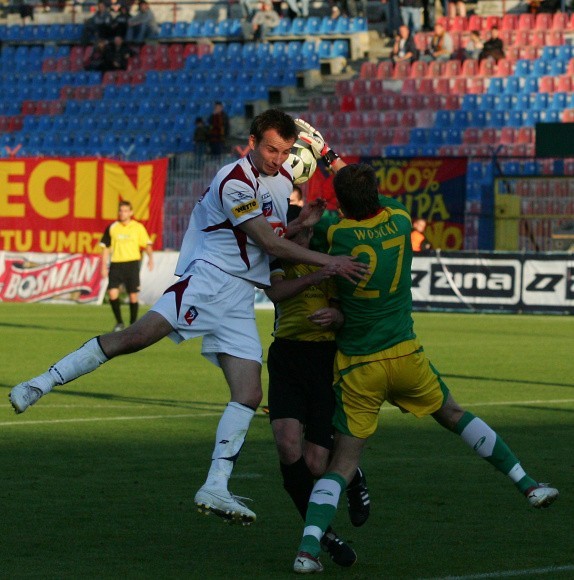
(498, 380)
(95, 332)
(151, 401)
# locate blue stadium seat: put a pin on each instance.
(549, 53)
(283, 28)
(531, 118)
(358, 24)
(559, 101)
(540, 68)
(530, 168)
(512, 86)
(313, 26)
(516, 118)
(166, 29)
(178, 30)
(495, 86)
(496, 118)
(324, 49)
(565, 52)
(418, 136)
(522, 67)
(461, 119)
(504, 102)
(477, 119)
(194, 29)
(557, 67)
(539, 101)
(341, 48)
(522, 102)
(342, 26)
(510, 168)
(298, 27)
(469, 102)
(444, 118)
(327, 26)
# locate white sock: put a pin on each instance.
(229, 439)
(80, 362)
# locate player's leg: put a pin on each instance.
(151, 328)
(244, 379)
(324, 500)
(133, 288)
(490, 446)
(118, 276)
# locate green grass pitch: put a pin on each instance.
(98, 479)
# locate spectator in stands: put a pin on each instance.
(298, 8)
(474, 45)
(392, 16)
(350, 8)
(200, 138)
(120, 21)
(117, 54)
(441, 47)
(419, 241)
(404, 47)
(264, 20)
(493, 47)
(248, 8)
(143, 25)
(98, 26)
(412, 14)
(456, 8)
(96, 59)
(218, 129)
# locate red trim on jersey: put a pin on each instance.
(237, 174)
(285, 173)
(240, 238)
(178, 288)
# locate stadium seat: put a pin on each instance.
(504, 68)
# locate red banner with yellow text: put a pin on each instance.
(64, 205)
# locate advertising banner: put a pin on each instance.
(64, 205)
(35, 277)
(433, 189)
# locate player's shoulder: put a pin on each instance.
(392, 203)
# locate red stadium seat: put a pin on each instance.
(492, 21)
(554, 38)
(526, 21)
(375, 87)
(476, 86)
(435, 69)
(407, 119)
(368, 70)
(450, 102)
(509, 22)
(469, 67)
(390, 119)
(348, 103)
(537, 38)
(525, 135)
(487, 67)
(372, 119)
(402, 70)
(521, 38)
(528, 52)
(441, 86)
(489, 136)
(543, 21)
(507, 135)
(458, 86)
(470, 136)
(385, 70)
(343, 87)
(546, 84)
(355, 119)
(476, 22)
(189, 49)
(364, 103)
(28, 107)
(512, 53)
(431, 102)
(409, 86)
(400, 136)
(419, 69)
(508, 37)
(383, 136)
(563, 84)
(452, 68)
(560, 21)
(422, 40)
(504, 68)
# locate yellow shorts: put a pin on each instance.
(401, 375)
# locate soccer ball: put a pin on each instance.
(302, 162)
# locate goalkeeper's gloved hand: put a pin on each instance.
(321, 150)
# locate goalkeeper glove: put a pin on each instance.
(321, 150)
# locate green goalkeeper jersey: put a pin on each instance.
(378, 309)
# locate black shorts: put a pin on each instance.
(301, 386)
(126, 273)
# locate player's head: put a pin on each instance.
(296, 197)
(419, 224)
(272, 135)
(125, 211)
(357, 191)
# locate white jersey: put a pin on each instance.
(237, 193)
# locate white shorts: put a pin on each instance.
(210, 303)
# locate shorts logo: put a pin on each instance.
(191, 315)
(267, 208)
(244, 208)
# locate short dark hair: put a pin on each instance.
(125, 203)
(274, 119)
(357, 190)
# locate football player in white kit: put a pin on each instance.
(236, 225)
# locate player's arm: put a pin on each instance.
(318, 145)
(149, 251)
(310, 215)
(282, 288)
(105, 261)
(259, 230)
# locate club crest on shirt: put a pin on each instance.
(190, 315)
